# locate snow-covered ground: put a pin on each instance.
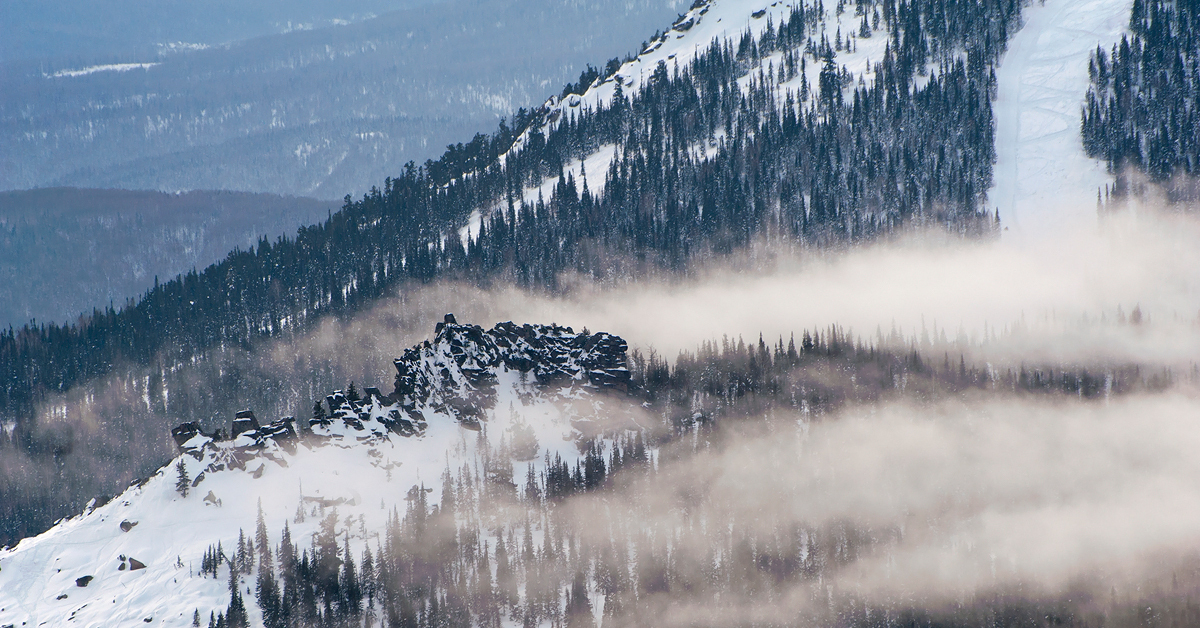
(1044, 183)
(364, 473)
(111, 67)
(592, 168)
(690, 36)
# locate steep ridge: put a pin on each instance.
(689, 37)
(535, 390)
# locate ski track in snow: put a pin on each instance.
(1044, 183)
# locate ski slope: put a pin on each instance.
(1044, 183)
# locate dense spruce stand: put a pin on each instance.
(1140, 111)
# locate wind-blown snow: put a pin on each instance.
(1044, 183)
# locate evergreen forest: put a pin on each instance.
(847, 162)
(1140, 111)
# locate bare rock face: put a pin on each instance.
(244, 422)
(455, 374)
(456, 371)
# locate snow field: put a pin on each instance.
(1044, 183)
(370, 478)
(111, 67)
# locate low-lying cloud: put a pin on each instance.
(1039, 300)
(938, 503)
(975, 493)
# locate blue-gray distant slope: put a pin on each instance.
(64, 251)
(317, 113)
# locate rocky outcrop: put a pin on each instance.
(243, 422)
(454, 374)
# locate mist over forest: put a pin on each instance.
(774, 359)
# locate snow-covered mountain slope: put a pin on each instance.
(1044, 182)
(719, 22)
(464, 390)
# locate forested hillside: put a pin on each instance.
(761, 137)
(847, 162)
(738, 210)
(1141, 108)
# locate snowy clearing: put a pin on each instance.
(111, 67)
(1044, 182)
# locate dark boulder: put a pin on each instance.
(83, 581)
(244, 421)
(551, 354)
(185, 432)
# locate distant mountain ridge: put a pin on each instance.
(93, 31)
(321, 112)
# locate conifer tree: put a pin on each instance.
(235, 615)
(182, 482)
